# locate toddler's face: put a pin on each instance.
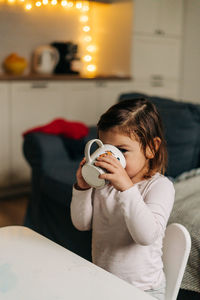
(136, 162)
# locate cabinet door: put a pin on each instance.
(146, 16)
(5, 135)
(32, 104)
(156, 57)
(162, 17)
(37, 103)
(158, 87)
(170, 17)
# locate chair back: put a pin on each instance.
(176, 250)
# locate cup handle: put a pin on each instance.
(88, 146)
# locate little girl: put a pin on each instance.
(128, 217)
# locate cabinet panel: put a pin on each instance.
(5, 135)
(146, 16)
(163, 17)
(167, 88)
(170, 18)
(153, 56)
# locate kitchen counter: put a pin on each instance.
(6, 77)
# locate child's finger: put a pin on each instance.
(110, 159)
(105, 165)
(83, 162)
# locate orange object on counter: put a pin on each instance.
(14, 64)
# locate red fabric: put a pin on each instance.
(74, 130)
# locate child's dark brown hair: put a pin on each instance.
(139, 118)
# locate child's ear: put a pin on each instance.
(149, 152)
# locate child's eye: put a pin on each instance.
(122, 150)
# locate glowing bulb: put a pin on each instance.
(28, 6)
(54, 2)
(79, 5)
(91, 48)
(87, 58)
(38, 3)
(91, 68)
(84, 18)
(64, 3)
(85, 8)
(11, 1)
(87, 38)
(70, 4)
(86, 28)
(45, 2)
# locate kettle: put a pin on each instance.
(45, 59)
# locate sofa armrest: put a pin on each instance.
(41, 149)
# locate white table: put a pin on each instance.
(34, 268)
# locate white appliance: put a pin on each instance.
(45, 59)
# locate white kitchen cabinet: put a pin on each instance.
(37, 103)
(156, 64)
(156, 47)
(158, 17)
(159, 88)
(5, 135)
(155, 57)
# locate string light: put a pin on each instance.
(64, 3)
(84, 8)
(86, 28)
(87, 38)
(38, 3)
(28, 6)
(70, 4)
(87, 58)
(91, 68)
(54, 2)
(79, 5)
(91, 48)
(84, 18)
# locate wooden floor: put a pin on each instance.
(12, 210)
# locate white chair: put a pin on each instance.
(176, 250)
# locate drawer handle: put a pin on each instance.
(157, 77)
(159, 32)
(39, 85)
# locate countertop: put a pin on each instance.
(5, 77)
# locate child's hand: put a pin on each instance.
(117, 175)
(81, 183)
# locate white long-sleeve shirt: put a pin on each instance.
(127, 228)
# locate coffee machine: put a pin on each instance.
(68, 53)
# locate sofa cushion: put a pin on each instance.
(58, 176)
(181, 122)
(57, 181)
(75, 148)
